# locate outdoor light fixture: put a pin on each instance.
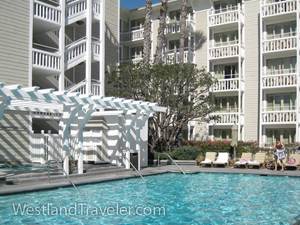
(80, 22)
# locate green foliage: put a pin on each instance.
(185, 153)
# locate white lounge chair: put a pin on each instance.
(222, 159)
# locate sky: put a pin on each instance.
(132, 4)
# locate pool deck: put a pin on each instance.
(24, 181)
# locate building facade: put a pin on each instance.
(250, 46)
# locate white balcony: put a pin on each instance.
(45, 60)
(224, 16)
(278, 8)
(173, 57)
(227, 118)
(275, 117)
(280, 80)
(133, 60)
(279, 44)
(231, 84)
(226, 51)
(134, 35)
(75, 53)
(47, 12)
(173, 26)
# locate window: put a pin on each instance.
(175, 14)
(285, 135)
(279, 30)
(227, 104)
(224, 5)
(226, 38)
(136, 52)
(278, 102)
(175, 44)
(281, 66)
(222, 134)
(137, 24)
(226, 71)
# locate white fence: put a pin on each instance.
(279, 117)
(279, 81)
(47, 12)
(225, 51)
(281, 7)
(284, 43)
(45, 59)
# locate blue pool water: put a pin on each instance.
(202, 198)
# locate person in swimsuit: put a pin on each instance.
(278, 145)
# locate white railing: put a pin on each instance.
(279, 44)
(279, 117)
(45, 59)
(67, 39)
(279, 80)
(228, 16)
(277, 8)
(228, 118)
(47, 12)
(75, 7)
(226, 85)
(97, 7)
(96, 47)
(75, 49)
(132, 35)
(81, 87)
(134, 60)
(67, 82)
(225, 51)
(173, 26)
(173, 57)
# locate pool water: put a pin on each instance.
(203, 198)
(23, 167)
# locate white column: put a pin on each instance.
(61, 79)
(88, 64)
(102, 48)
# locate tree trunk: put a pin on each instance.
(147, 32)
(182, 29)
(161, 31)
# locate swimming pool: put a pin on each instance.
(203, 198)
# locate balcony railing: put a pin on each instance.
(96, 46)
(285, 43)
(133, 60)
(285, 80)
(75, 8)
(224, 16)
(173, 26)
(173, 57)
(132, 35)
(96, 7)
(45, 59)
(225, 51)
(227, 118)
(277, 8)
(47, 12)
(226, 85)
(279, 117)
(75, 49)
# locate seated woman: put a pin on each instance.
(278, 146)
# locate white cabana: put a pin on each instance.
(66, 106)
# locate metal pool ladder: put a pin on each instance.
(55, 160)
(132, 167)
(171, 159)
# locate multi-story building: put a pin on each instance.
(249, 46)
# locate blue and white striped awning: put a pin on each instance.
(14, 97)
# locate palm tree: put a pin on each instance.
(147, 32)
(182, 29)
(161, 31)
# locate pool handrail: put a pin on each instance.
(135, 168)
(55, 160)
(172, 161)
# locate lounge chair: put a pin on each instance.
(222, 159)
(297, 164)
(260, 160)
(245, 158)
(209, 159)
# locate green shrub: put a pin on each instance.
(162, 156)
(185, 153)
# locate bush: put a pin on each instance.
(185, 153)
(162, 156)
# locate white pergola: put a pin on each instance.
(68, 105)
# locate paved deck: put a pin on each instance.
(23, 181)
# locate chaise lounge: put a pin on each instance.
(297, 164)
(245, 158)
(222, 159)
(209, 159)
(260, 160)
